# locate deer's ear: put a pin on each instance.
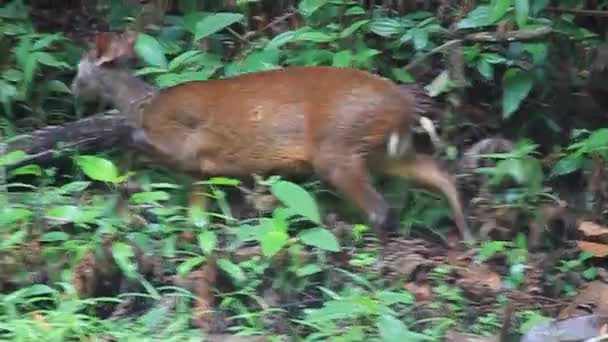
(110, 46)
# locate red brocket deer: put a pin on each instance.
(343, 124)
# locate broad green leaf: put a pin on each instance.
(320, 238)
(99, 169)
(539, 5)
(190, 263)
(54, 236)
(343, 59)
(232, 269)
(489, 248)
(315, 36)
(386, 27)
(440, 84)
(297, 199)
(57, 87)
(9, 216)
(402, 75)
(355, 10)
(498, 8)
(31, 169)
(69, 213)
(485, 69)
(183, 59)
(150, 196)
(477, 18)
(308, 270)
(50, 60)
(392, 329)
(522, 11)
(125, 258)
(222, 181)
(280, 40)
(207, 241)
(273, 241)
(150, 51)
(420, 38)
(567, 165)
(390, 298)
(353, 28)
(516, 85)
(13, 157)
(39, 290)
(216, 22)
(74, 187)
(308, 7)
(46, 41)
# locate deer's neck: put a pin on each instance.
(127, 93)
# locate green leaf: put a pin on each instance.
(125, 258)
(150, 196)
(54, 236)
(99, 169)
(355, 10)
(31, 169)
(9, 216)
(485, 69)
(150, 51)
(522, 11)
(280, 40)
(50, 60)
(315, 36)
(74, 187)
(233, 270)
(392, 329)
(389, 298)
(567, 165)
(46, 41)
(440, 84)
(57, 87)
(297, 199)
(69, 213)
(343, 59)
(13, 157)
(539, 5)
(498, 8)
(308, 7)
(489, 248)
(308, 269)
(402, 75)
(273, 241)
(387, 27)
(320, 238)
(215, 22)
(516, 85)
(190, 263)
(207, 241)
(183, 59)
(353, 28)
(477, 18)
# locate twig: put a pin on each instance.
(438, 49)
(589, 13)
(509, 36)
(292, 11)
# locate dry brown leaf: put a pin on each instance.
(422, 292)
(204, 281)
(479, 280)
(593, 230)
(598, 250)
(591, 298)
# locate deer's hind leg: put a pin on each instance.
(424, 170)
